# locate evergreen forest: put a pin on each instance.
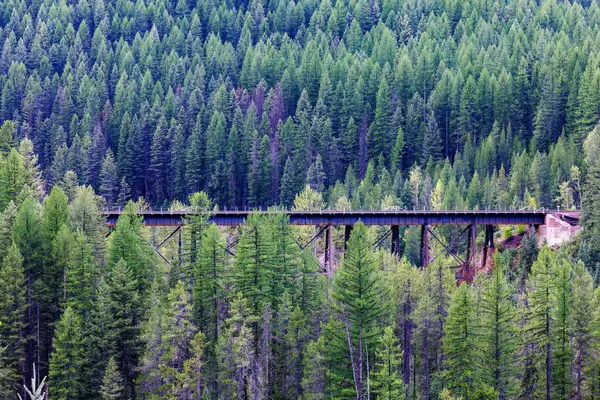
(303, 105)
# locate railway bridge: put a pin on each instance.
(552, 226)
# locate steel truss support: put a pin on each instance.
(314, 238)
(395, 240)
(378, 242)
(424, 246)
(488, 248)
(329, 251)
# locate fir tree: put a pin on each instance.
(539, 317)
(357, 291)
(65, 378)
(112, 382)
(386, 380)
(561, 331)
(584, 322)
(498, 331)
(460, 343)
(13, 306)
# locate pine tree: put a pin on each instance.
(65, 378)
(539, 317)
(432, 141)
(314, 372)
(112, 382)
(124, 318)
(236, 351)
(178, 335)
(192, 378)
(128, 245)
(13, 305)
(80, 276)
(584, 322)
(387, 382)
(561, 331)
(357, 291)
(209, 285)
(498, 331)
(460, 343)
(253, 267)
(109, 181)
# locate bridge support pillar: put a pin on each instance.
(329, 251)
(347, 232)
(473, 243)
(395, 240)
(487, 259)
(424, 246)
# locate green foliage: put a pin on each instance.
(65, 378)
(498, 330)
(386, 380)
(460, 343)
(112, 382)
(13, 306)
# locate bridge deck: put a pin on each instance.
(377, 217)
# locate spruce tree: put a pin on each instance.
(357, 291)
(561, 330)
(13, 305)
(65, 378)
(236, 351)
(498, 331)
(253, 267)
(109, 180)
(539, 316)
(124, 318)
(387, 382)
(584, 322)
(112, 382)
(460, 343)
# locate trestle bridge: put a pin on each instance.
(553, 224)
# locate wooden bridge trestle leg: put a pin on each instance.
(424, 246)
(395, 240)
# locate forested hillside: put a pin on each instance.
(249, 101)
(438, 105)
(244, 313)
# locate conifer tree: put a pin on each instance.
(124, 319)
(498, 331)
(112, 382)
(253, 268)
(386, 378)
(584, 323)
(109, 181)
(65, 378)
(127, 245)
(460, 343)
(357, 292)
(561, 329)
(13, 306)
(539, 316)
(236, 351)
(314, 372)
